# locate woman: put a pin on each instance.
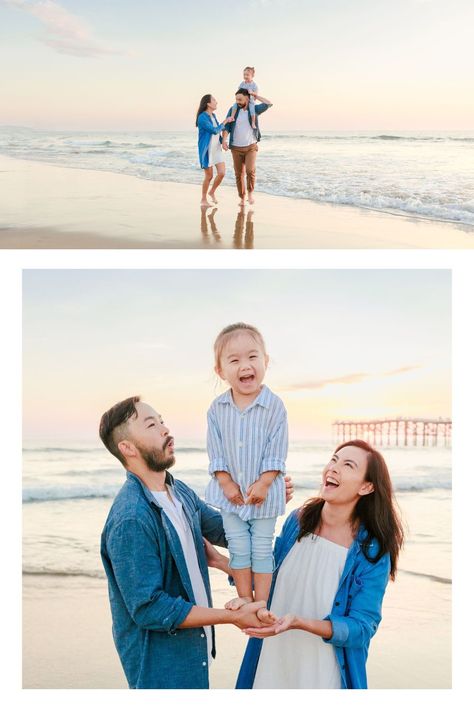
(209, 146)
(333, 560)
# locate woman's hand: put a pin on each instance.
(283, 624)
(229, 119)
(288, 488)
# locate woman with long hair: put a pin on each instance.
(209, 147)
(333, 560)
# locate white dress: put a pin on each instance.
(306, 586)
(215, 149)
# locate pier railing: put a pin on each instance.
(396, 431)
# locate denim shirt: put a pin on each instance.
(259, 109)
(150, 589)
(206, 129)
(355, 614)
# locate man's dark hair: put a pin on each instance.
(113, 424)
(244, 92)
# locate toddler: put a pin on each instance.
(249, 84)
(247, 444)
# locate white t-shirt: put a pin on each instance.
(175, 513)
(243, 132)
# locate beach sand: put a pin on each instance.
(50, 207)
(67, 638)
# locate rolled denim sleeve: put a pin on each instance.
(360, 624)
(276, 448)
(205, 123)
(260, 108)
(135, 559)
(215, 449)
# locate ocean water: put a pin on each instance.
(68, 490)
(420, 174)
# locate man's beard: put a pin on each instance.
(156, 459)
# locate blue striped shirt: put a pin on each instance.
(245, 444)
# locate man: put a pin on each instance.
(153, 553)
(243, 141)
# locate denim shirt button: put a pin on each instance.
(204, 664)
(203, 635)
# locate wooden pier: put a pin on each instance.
(396, 431)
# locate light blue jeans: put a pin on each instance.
(250, 542)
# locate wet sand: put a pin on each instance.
(67, 637)
(50, 207)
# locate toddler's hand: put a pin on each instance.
(232, 493)
(257, 492)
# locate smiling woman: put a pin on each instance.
(341, 548)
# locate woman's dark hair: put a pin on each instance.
(203, 105)
(377, 511)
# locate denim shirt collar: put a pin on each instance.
(146, 491)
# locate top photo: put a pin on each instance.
(262, 124)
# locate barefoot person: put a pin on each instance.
(209, 147)
(243, 140)
(333, 561)
(153, 553)
(247, 445)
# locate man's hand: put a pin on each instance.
(246, 617)
(214, 558)
(257, 492)
(225, 146)
(289, 488)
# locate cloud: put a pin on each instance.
(348, 379)
(63, 31)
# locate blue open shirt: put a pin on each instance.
(355, 614)
(206, 129)
(150, 589)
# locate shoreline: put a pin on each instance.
(45, 206)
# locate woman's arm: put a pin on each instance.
(205, 124)
(322, 628)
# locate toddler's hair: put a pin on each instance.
(228, 333)
(250, 69)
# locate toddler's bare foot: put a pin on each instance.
(237, 602)
(266, 616)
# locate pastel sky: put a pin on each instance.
(342, 344)
(326, 64)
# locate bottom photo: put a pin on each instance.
(237, 479)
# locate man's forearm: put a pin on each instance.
(263, 100)
(202, 616)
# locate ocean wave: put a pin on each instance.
(30, 570)
(72, 450)
(43, 495)
(401, 485)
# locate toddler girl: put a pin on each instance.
(249, 84)
(247, 444)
